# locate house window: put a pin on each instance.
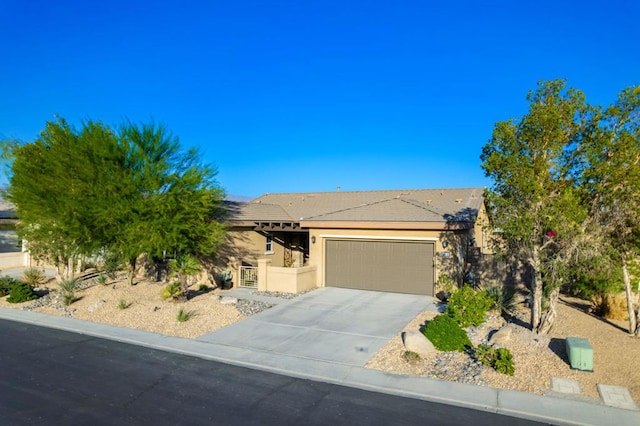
(269, 244)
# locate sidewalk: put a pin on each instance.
(517, 404)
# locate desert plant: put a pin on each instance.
(446, 335)
(183, 267)
(112, 264)
(468, 307)
(410, 356)
(33, 277)
(102, 279)
(123, 304)
(68, 290)
(504, 299)
(184, 315)
(172, 291)
(504, 362)
(499, 359)
(6, 284)
(203, 287)
(21, 293)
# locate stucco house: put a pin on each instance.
(390, 240)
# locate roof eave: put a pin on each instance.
(385, 225)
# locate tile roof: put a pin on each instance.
(416, 205)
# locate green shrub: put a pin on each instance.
(6, 284)
(172, 291)
(503, 298)
(33, 277)
(468, 307)
(123, 304)
(446, 335)
(21, 293)
(499, 359)
(184, 315)
(203, 288)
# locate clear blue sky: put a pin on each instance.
(306, 95)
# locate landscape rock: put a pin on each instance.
(96, 305)
(415, 341)
(502, 336)
(226, 300)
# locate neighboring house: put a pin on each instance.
(12, 252)
(391, 240)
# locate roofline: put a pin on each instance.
(371, 190)
(385, 225)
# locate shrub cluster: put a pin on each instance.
(468, 307)
(446, 335)
(6, 284)
(499, 359)
(21, 293)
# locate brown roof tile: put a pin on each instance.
(416, 205)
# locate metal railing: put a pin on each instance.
(249, 276)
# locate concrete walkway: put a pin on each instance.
(283, 357)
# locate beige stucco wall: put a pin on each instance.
(481, 231)
(247, 245)
(317, 249)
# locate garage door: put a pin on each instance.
(394, 266)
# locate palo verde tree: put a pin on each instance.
(51, 185)
(130, 192)
(533, 201)
(611, 181)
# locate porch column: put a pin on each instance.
(263, 266)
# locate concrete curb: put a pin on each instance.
(511, 403)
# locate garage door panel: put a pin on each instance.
(396, 266)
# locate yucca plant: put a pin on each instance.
(33, 277)
(68, 290)
(184, 315)
(504, 299)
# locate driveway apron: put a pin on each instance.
(336, 325)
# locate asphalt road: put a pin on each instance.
(49, 376)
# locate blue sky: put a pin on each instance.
(309, 95)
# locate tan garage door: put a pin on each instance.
(394, 266)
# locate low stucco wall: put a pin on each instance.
(287, 280)
(14, 260)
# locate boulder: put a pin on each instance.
(228, 300)
(415, 341)
(501, 336)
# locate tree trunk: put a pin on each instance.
(536, 291)
(132, 270)
(627, 289)
(549, 317)
(638, 312)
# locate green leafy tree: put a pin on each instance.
(533, 201)
(611, 180)
(52, 185)
(128, 192)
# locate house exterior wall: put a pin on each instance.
(443, 263)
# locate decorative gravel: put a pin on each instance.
(251, 307)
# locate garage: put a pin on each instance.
(398, 266)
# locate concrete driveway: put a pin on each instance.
(335, 325)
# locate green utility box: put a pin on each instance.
(580, 353)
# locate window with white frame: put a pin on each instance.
(269, 244)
